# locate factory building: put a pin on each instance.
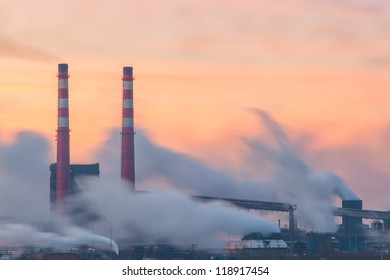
(77, 171)
(352, 232)
(257, 246)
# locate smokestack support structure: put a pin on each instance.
(127, 152)
(63, 149)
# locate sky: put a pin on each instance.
(321, 68)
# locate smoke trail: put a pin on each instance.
(294, 180)
(16, 236)
(287, 160)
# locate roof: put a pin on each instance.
(264, 244)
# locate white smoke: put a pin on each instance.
(109, 209)
(164, 215)
(17, 236)
(289, 178)
(25, 218)
(286, 159)
(24, 174)
(293, 180)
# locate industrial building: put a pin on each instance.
(77, 172)
(352, 233)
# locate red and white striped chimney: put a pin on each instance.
(63, 154)
(127, 154)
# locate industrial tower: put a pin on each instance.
(63, 154)
(127, 153)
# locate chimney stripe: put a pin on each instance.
(128, 85)
(63, 83)
(128, 103)
(63, 122)
(63, 103)
(128, 122)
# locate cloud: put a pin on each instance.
(378, 61)
(11, 48)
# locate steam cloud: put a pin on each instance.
(288, 178)
(163, 216)
(24, 235)
(24, 178)
(24, 200)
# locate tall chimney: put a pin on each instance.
(127, 155)
(63, 157)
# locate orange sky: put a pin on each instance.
(319, 67)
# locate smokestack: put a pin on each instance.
(63, 154)
(127, 155)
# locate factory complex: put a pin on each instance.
(353, 239)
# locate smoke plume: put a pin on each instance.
(163, 215)
(106, 207)
(25, 218)
(19, 236)
(288, 177)
(293, 180)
